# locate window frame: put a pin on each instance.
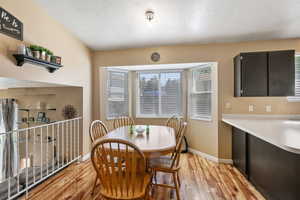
(294, 98)
(106, 88)
(191, 91)
(137, 93)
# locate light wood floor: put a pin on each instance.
(201, 179)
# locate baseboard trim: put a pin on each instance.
(86, 157)
(204, 155)
(225, 161)
(210, 157)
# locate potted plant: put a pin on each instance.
(42, 53)
(35, 51)
(49, 54)
(56, 60)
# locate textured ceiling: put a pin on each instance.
(117, 24)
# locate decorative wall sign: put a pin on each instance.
(10, 25)
(155, 57)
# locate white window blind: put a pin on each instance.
(296, 98)
(201, 93)
(159, 94)
(297, 75)
(117, 93)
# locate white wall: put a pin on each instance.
(41, 29)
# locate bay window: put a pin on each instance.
(160, 93)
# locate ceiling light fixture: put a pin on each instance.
(149, 15)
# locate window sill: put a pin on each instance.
(110, 118)
(154, 117)
(113, 118)
(202, 119)
(293, 99)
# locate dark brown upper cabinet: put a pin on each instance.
(264, 74)
(282, 73)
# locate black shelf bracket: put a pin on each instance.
(22, 59)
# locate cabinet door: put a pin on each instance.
(254, 74)
(274, 171)
(239, 150)
(237, 76)
(282, 73)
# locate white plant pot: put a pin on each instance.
(48, 58)
(22, 49)
(36, 54)
(43, 55)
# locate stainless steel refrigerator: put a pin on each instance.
(9, 155)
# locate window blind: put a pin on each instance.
(159, 94)
(296, 98)
(297, 76)
(201, 93)
(170, 89)
(117, 93)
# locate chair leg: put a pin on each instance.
(155, 177)
(95, 184)
(147, 195)
(178, 179)
(176, 186)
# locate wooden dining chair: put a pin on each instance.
(123, 121)
(170, 164)
(122, 169)
(97, 130)
(174, 122)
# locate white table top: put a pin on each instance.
(159, 141)
(281, 131)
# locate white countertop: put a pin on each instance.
(282, 131)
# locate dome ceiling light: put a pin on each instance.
(149, 15)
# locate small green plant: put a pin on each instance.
(49, 52)
(41, 49)
(34, 48)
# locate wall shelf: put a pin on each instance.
(47, 109)
(22, 59)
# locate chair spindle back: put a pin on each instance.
(175, 122)
(177, 152)
(118, 163)
(123, 121)
(97, 130)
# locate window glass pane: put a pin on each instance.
(117, 94)
(170, 84)
(159, 94)
(201, 105)
(200, 97)
(116, 87)
(201, 79)
(149, 93)
(117, 108)
(297, 75)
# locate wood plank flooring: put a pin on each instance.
(201, 180)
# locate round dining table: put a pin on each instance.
(154, 142)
